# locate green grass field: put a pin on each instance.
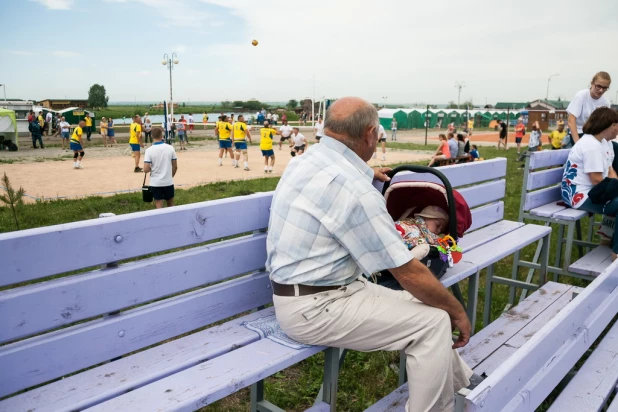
(365, 377)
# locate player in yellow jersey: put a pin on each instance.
(241, 134)
(135, 141)
(205, 120)
(76, 144)
(88, 128)
(266, 146)
(224, 131)
(557, 136)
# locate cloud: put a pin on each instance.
(65, 53)
(56, 4)
(178, 13)
(21, 52)
(180, 48)
(143, 73)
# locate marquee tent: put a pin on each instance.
(8, 125)
(415, 118)
(386, 117)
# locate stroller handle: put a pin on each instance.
(452, 215)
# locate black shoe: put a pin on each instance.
(138, 170)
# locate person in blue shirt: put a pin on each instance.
(474, 153)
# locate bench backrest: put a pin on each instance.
(542, 178)
(66, 322)
(482, 184)
(524, 381)
(167, 272)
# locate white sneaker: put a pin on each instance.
(383, 158)
(246, 169)
(79, 167)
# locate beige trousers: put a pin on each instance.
(366, 317)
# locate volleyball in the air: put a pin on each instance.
(254, 42)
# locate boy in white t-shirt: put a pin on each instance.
(286, 132)
(585, 102)
(534, 144)
(299, 142)
(319, 129)
(161, 162)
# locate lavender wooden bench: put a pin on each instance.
(531, 349)
(541, 201)
(133, 335)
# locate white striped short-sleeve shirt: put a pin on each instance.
(328, 224)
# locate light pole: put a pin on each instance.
(4, 88)
(459, 86)
(385, 97)
(548, 79)
(170, 62)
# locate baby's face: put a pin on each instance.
(435, 225)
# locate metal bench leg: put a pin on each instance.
(341, 353)
(473, 290)
(514, 275)
(488, 293)
(578, 227)
(544, 260)
(331, 377)
(258, 404)
(559, 249)
(403, 372)
(590, 232)
(568, 246)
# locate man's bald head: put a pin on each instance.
(350, 117)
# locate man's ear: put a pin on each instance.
(370, 135)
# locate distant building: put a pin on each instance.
(59, 104)
(511, 105)
(547, 112)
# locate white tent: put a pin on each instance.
(8, 125)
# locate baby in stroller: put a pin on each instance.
(426, 227)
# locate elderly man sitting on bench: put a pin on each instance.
(328, 227)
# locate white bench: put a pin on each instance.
(541, 201)
(529, 350)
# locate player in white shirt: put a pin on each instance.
(585, 102)
(64, 127)
(191, 125)
(286, 132)
(381, 139)
(319, 129)
(161, 162)
(299, 142)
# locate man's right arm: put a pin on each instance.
(174, 167)
(420, 282)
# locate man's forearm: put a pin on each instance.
(420, 282)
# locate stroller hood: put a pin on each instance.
(404, 199)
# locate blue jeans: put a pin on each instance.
(610, 208)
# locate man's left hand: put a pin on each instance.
(379, 173)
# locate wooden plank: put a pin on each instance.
(393, 402)
(548, 158)
(595, 381)
(49, 305)
(542, 197)
(505, 351)
(484, 193)
(543, 178)
(486, 215)
(319, 407)
(481, 258)
(593, 263)
(45, 357)
(570, 214)
(547, 210)
(100, 241)
(539, 365)
(459, 175)
(112, 379)
(484, 343)
(488, 234)
(210, 381)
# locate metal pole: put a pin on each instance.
(547, 92)
(313, 104)
(4, 88)
(171, 97)
(426, 124)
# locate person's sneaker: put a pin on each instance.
(79, 167)
(236, 166)
(138, 170)
(383, 158)
(475, 380)
(246, 169)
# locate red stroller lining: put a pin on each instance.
(404, 199)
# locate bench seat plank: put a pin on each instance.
(112, 379)
(46, 357)
(485, 235)
(570, 214)
(210, 381)
(593, 263)
(490, 340)
(595, 381)
(547, 210)
(483, 257)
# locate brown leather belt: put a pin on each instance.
(303, 290)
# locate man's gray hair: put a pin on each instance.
(353, 126)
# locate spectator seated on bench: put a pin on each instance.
(531, 349)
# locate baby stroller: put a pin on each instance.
(405, 198)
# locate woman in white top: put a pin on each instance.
(589, 162)
(585, 102)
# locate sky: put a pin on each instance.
(393, 51)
